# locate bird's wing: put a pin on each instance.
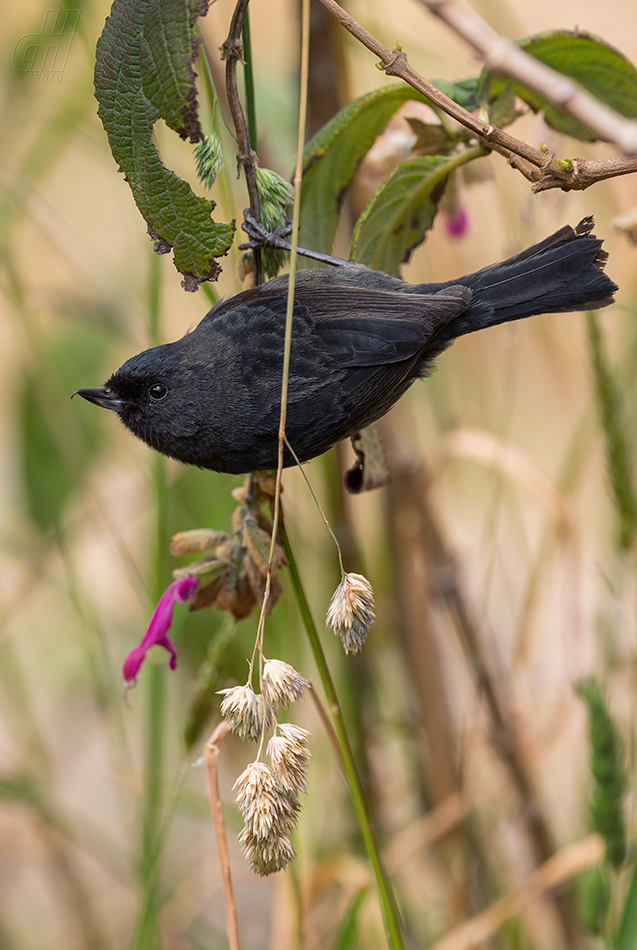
(365, 327)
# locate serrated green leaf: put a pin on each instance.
(332, 156)
(400, 213)
(143, 72)
(598, 67)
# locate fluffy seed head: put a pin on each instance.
(266, 857)
(351, 611)
(242, 708)
(290, 757)
(282, 684)
(269, 815)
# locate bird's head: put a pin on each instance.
(155, 396)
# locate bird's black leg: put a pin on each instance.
(260, 237)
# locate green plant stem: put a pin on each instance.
(251, 109)
(385, 893)
(611, 413)
(146, 931)
(627, 934)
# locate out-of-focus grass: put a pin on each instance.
(77, 519)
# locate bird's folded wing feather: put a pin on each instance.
(365, 327)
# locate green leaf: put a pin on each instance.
(464, 91)
(627, 934)
(332, 156)
(598, 67)
(144, 72)
(400, 213)
(430, 139)
(593, 897)
(348, 937)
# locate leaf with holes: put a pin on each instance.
(595, 65)
(143, 72)
(400, 213)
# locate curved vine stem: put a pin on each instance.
(246, 156)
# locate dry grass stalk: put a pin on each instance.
(212, 751)
(420, 834)
(490, 449)
(563, 865)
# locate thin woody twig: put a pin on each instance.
(502, 55)
(246, 157)
(541, 168)
(212, 751)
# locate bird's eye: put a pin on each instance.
(158, 391)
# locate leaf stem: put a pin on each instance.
(385, 893)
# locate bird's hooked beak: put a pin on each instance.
(101, 397)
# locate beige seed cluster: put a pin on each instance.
(351, 611)
(282, 684)
(268, 797)
(243, 710)
(269, 816)
(290, 757)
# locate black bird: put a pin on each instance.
(360, 338)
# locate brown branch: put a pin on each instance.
(502, 55)
(246, 157)
(540, 167)
(395, 63)
(587, 172)
(212, 751)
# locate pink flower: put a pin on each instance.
(457, 223)
(157, 632)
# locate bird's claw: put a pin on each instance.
(260, 237)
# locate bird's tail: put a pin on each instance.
(562, 273)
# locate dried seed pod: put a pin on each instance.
(257, 583)
(196, 542)
(207, 594)
(236, 595)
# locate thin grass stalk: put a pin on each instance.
(251, 109)
(216, 811)
(386, 896)
(287, 343)
(146, 930)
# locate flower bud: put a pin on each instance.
(209, 159)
